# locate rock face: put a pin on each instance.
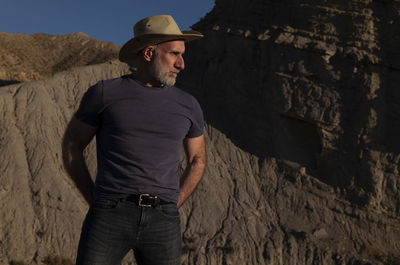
(301, 111)
(302, 104)
(31, 57)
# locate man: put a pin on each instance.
(140, 122)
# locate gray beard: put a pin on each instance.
(159, 74)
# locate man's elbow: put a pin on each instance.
(67, 154)
(203, 162)
(70, 152)
(200, 162)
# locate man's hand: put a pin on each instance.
(77, 136)
(196, 156)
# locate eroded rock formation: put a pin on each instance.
(41, 210)
(306, 95)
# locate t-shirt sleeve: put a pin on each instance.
(91, 103)
(197, 119)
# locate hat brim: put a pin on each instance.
(131, 48)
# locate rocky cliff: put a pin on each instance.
(301, 107)
(306, 97)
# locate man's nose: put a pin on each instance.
(180, 64)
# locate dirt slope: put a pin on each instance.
(31, 57)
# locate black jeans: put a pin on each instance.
(112, 227)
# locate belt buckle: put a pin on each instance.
(141, 196)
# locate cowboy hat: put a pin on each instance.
(154, 30)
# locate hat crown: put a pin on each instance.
(151, 31)
(159, 24)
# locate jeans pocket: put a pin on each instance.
(170, 211)
(105, 204)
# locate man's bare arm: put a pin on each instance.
(196, 156)
(77, 136)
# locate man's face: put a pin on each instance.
(168, 62)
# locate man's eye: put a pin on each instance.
(176, 53)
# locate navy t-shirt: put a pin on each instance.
(139, 136)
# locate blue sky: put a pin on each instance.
(105, 20)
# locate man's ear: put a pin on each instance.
(148, 52)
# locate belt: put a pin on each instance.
(145, 200)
